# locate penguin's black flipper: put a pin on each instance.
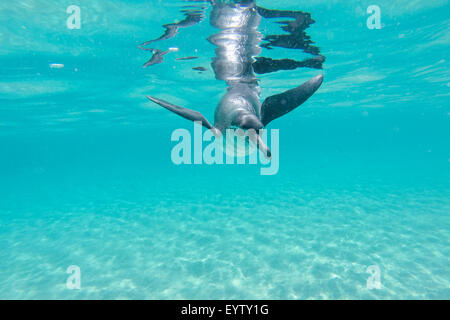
(183, 112)
(280, 104)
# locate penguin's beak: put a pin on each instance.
(263, 148)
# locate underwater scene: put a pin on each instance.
(224, 149)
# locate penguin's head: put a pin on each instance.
(250, 125)
(247, 121)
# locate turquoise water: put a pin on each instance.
(86, 176)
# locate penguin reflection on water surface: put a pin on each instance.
(238, 45)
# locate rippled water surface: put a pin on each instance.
(86, 176)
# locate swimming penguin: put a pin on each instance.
(237, 44)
